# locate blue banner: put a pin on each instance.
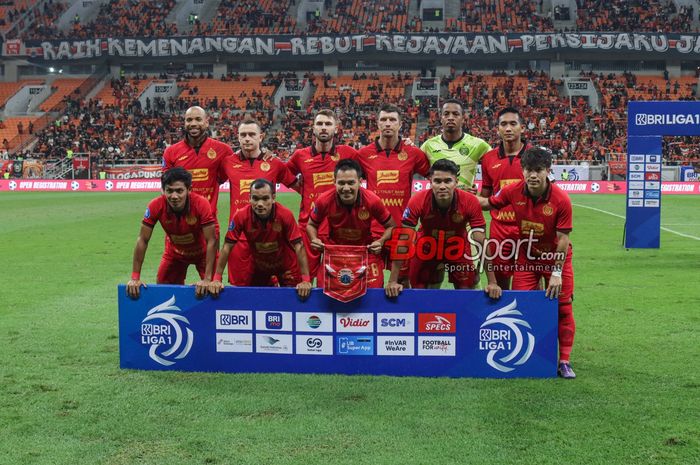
(643, 219)
(663, 118)
(270, 330)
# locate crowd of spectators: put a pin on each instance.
(126, 128)
(633, 16)
(134, 18)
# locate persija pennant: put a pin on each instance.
(345, 272)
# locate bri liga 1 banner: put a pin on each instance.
(153, 185)
(452, 333)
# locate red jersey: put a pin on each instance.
(389, 173)
(183, 230)
(543, 216)
(270, 240)
(350, 225)
(242, 171)
(316, 169)
(464, 210)
(497, 171)
(204, 164)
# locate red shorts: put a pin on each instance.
(240, 264)
(461, 273)
(526, 278)
(173, 267)
(288, 273)
(504, 259)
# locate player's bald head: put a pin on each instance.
(196, 110)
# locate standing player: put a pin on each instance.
(456, 145)
(500, 167)
(389, 166)
(316, 165)
(190, 237)
(543, 213)
(444, 212)
(201, 155)
(349, 211)
(241, 170)
(274, 239)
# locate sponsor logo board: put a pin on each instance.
(314, 344)
(437, 346)
(274, 321)
(395, 322)
(437, 322)
(314, 322)
(395, 345)
(234, 342)
(234, 319)
(355, 345)
(273, 343)
(354, 322)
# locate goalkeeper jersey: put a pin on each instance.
(465, 152)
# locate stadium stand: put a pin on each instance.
(355, 17)
(61, 88)
(499, 16)
(249, 17)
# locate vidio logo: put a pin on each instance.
(509, 338)
(170, 340)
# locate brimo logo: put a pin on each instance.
(168, 341)
(403, 245)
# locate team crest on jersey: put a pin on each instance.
(191, 220)
(363, 214)
(276, 226)
(335, 157)
(457, 217)
(464, 151)
(265, 166)
(403, 156)
(211, 153)
(547, 210)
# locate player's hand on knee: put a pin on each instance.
(215, 288)
(304, 289)
(133, 288)
(493, 290)
(393, 289)
(554, 287)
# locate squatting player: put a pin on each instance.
(500, 167)
(190, 236)
(201, 155)
(389, 165)
(316, 164)
(274, 240)
(241, 170)
(543, 213)
(456, 145)
(444, 212)
(350, 210)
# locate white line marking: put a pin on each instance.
(688, 236)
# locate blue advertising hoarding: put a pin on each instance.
(647, 123)
(270, 330)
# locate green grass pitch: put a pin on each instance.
(64, 400)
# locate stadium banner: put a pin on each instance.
(453, 333)
(575, 172)
(313, 46)
(690, 174)
(647, 123)
(152, 185)
(134, 172)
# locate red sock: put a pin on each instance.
(567, 329)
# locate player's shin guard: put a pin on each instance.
(567, 330)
